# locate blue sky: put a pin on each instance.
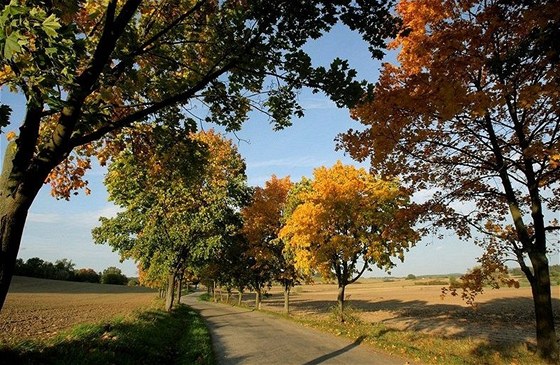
(62, 229)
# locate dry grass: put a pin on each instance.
(499, 330)
(39, 308)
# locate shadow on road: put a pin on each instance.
(336, 353)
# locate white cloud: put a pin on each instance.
(86, 218)
(317, 103)
(306, 161)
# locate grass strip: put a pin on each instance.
(149, 337)
(416, 346)
(422, 347)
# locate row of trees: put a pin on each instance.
(65, 269)
(182, 217)
(469, 115)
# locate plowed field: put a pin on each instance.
(37, 308)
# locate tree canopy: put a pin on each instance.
(470, 114)
(348, 221)
(91, 70)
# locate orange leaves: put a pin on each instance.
(68, 177)
(262, 218)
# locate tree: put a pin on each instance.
(91, 70)
(347, 222)
(262, 220)
(113, 275)
(87, 276)
(471, 113)
(180, 199)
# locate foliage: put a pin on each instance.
(113, 275)
(37, 268)
(411, 277)
(87, 276)
(180, 198)
(95, 73)
(349, 215)
(262, 220)
(141, 339)
(470, 117)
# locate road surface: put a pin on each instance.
(241, 336)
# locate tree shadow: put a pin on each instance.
(500, 323)
(155, 337)
(336, 353)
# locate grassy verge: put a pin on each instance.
(417, 346)
(425, 348)
(150, 337)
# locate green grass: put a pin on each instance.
(423, 348)
(150, 337)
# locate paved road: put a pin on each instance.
(242, 336)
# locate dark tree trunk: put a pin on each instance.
(340, 300)
(547, 340)
(15, 201)
(12, 221)
(170, 292)
(179, 290)
(287, 298)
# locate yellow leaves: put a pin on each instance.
(6, 73)
(346, 214)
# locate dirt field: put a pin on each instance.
(505, 315)
(38, 308)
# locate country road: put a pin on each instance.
(242, 336)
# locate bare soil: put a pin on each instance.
(38, 308)
(505, 315)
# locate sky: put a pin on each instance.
(59, 229)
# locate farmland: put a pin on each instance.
(38, 308)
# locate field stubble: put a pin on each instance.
(38, 308)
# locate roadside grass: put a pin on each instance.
(149, 337)
(412, 345)
(420, 347)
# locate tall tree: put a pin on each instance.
(174, 213)
(347, 222)
(262, 221)
(90, 68)
(472, 113)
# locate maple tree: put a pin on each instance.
(347, 222)
(180, 202)
(262, 220)
(88, 69)
(471, 115)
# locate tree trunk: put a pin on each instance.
(286, 299)
(340, 299)
(214, 291)
(170, 292)
(547, 341)
(240, 297)
(258, 299)
(12, 221)
(16, 197)
(179, 290)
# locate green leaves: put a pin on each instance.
(5, 112)
(51, 25)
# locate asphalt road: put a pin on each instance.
(242, 336)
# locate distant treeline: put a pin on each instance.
(64, 269)
(554, 273)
